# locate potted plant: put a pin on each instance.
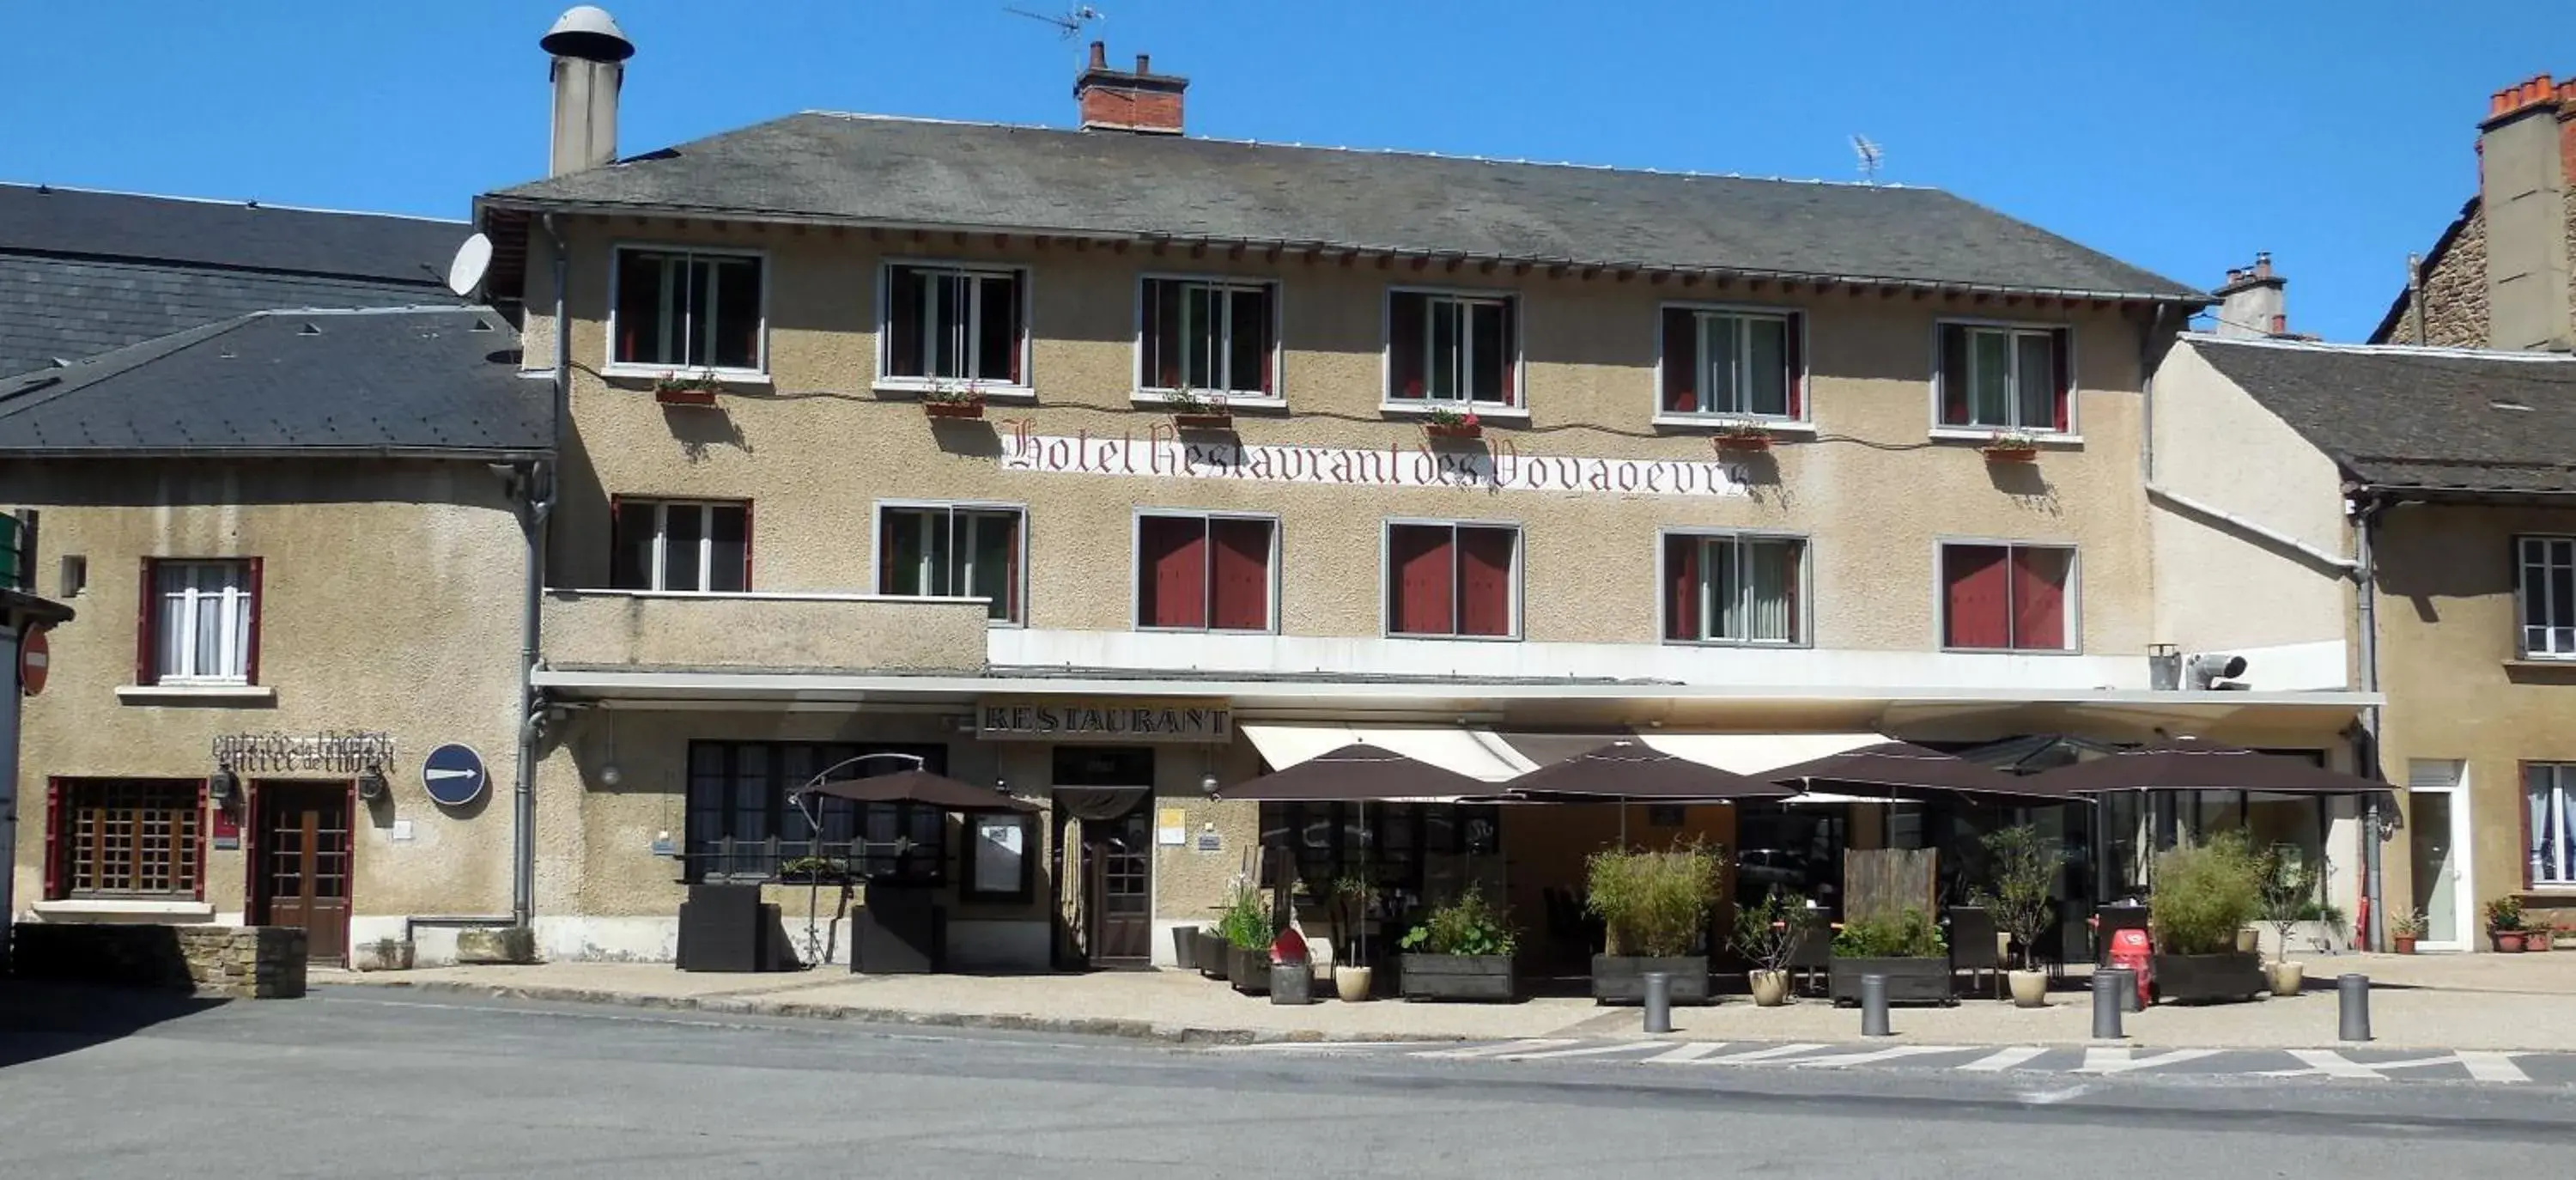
(1459, 951)
(1742, 434)
(1654, 909)
(2539, 937)
(697, 389)
(1196, 410)
(2504, 924)
(2026, 865)
(1353, 978)
(2404, 929)
(1213, 949)
(1908, 949)
(943, 400)
(1247, 931)
(2203, 895)
(1767, 934)
(2289, 889)
(1445, 422)
(2011, 446)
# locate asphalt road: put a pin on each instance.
(362, 1083)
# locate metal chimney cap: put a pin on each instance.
(589, 33)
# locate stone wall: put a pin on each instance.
(2454, 297)
(239, 962)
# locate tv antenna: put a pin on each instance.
(1067, 26)
(1869, 153)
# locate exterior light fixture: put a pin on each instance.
(371, 783)
(1208, 783)
(223, 787)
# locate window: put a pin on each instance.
(2548, 598)
(2005, 378)
(688, 309)
(1208, 336)
(954, 324)
(1388, 841)
(742, 825)
(1453, 348)
(942, 551)
(2005, 597)
(201, 622)
(125, 839)
(1737, 364)
(681, 547)
(1451, 579)
(2549, 790)
(1001, 862)
(1733, 589)
(1208, 573)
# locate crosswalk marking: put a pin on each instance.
(2115, 1060)
(1509, 1047)
(2344, 1065)
(2327, 1063)
(2488, 1066)
(1891, 1053)
(1760, 1056)
(2003, 1059)
(1685, 1054)
(1585, 1051)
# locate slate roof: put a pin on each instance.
(84, 272)
(877, 170)
(422, 381)
(2418, 418)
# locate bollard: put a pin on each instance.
(1659, 1002)
(1873, 1006)
(2353, 992)
(2107, 987)
(2128, 988)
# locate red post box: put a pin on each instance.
(2131, 951)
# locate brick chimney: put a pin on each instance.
(1137, 100)
(2526, 145)
(2252, 306)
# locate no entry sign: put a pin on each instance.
(35, 652)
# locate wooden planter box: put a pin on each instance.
(2012, 454)
(1248, 969)
(685, 397)
(1212, 954)
(1744, 442)
(2235, 975)
(1445, 430)
(953, 409)
(1909, 981)
(1458, 977)
(1203, 421)
(1622, 979)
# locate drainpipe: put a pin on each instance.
(2365, 518)
(539, 498)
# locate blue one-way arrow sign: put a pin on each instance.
(454, 775)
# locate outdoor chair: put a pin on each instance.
(1813, 958)
(1972, 946)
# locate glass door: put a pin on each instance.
(2438, 853)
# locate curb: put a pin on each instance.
(1095, 1026)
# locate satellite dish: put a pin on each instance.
(472, 259)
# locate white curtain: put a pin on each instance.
(205, 621)
(1755, 585)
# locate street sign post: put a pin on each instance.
(454, 775)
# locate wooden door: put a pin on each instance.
(302, 864)
(1121, 852)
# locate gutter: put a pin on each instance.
(2349, 567)
(2364, 508)
(540, 493)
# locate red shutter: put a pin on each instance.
(747, 585)
(1420, 570)
(1681, 586)
(1162, 334)
(1172, 577)
(1266, 324)
(1976, 597)
(258, 607)
(1681, 360)
(54, 839)
(144, 670)
(2061, 348)
(904, 293)
(1793, 337)
(1511, 351)
(206, 829)
(1485, 581)
(1954, 375)
(1014, 576)
(1239, 582)
(885, 551)
(1404, 313)
(1013, 298)
(639, 294)
(2039, 598)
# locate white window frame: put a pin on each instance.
(612, 367)
(1800, 390)
(1024, 389)
(1805, 620)
(1391, 404)
(1136, 569)
(2560, 877)
(238, 629)
(1386, 577)
(1149, 394)
(706, 541)
(2074, 432)
(2530, 578)
(2073, 594)
(877, 542)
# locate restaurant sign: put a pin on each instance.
(1095, 719)
(1501, 468)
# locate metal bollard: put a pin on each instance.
(1659, 1002)
(2108, 984)
(2128, 988)
(1873, 1006)
(2353, 994)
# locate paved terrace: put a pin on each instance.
(2423, 1001)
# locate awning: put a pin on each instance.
(2184, 764)
(1476, 753)
(1631, 771)
(1356, 773)
(1755, 753)
(1897, 768)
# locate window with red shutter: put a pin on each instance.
(1453, 348)
(1407, 316)
(1954, 375)
(1171, 571)
(1976, 610)
(1485, 580)
(1207, 336)
(1421, 569)
(2039, 578)
(2005, 378)
(953, 323)
(688, 309)
(1681, 586)
(1239, 586)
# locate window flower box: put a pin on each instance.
(672, 389)
(953, 402)
(1742, 436)
(1193, 410)
(1451, 424)
(1217, 421)
(2011, 447)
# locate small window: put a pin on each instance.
(1001, 858)
(1731, 364)
(125, 839)
(75, 575)
(688, 309)
(1209, 336)
(202, 622)
(1733, 589)
(2549, 794)
(1207, 573)
(681, 547)
(2004, 378)
(1452, 348)
(1452, 579)
(946, 323)
(942, 551)
(2006, 597)
(2548, 592)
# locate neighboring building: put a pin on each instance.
(769, 557)
(25, 621)
(2499, 276)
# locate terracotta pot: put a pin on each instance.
(2539, 940)
(2029, 988)
(1352, 983)
(1770, 988)
(2405, 943)
(2507, 942)
(2287, 979)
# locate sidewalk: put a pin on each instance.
(2434, 1002)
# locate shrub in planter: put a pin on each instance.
(1654, 907)
(1767, 934)
(1909, 949)
(2404, 929)
(1246, 928)
(2288, 886)
(2504, 923)
(2026, 864)
(2203, 894)
(1460, 951)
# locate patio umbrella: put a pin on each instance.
(922, 787)
(1902, 768)
(1360, 773)
(2184, 764)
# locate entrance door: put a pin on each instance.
(1120, 856)
(2438, 852)
(301, 866)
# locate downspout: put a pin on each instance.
(2365, 574)
(540, 504)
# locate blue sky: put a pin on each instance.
(2180, 136)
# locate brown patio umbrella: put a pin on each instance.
(1361, 772)
(2183, 764)
(922, 787)
(1902, 767)
(1638, 773)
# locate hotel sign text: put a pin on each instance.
(1502, 468)
(1077, 719)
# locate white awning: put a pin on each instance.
(1756, 754)
(1476, 753)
